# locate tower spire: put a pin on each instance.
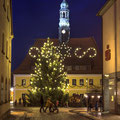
(64, 25)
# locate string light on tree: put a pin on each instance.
(34, 51)
(85, 52)
(49, 77)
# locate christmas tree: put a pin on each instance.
(49, 78)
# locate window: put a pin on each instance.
(6, 90)
(67, 81)
(23, 82)
(4, 4)
(2, 90)
(8, 13)
(3, 44)
(69, 67)
(63, 14)
(90, 81)
(77, 67)
(83, 67)
(73, 81)
(7, 49)
(81, 81)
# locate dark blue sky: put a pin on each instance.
(39, 19)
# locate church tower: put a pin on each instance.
(64, 25)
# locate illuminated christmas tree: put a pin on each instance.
(49, 78)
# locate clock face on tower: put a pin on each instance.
(63, 31)
(64, 35)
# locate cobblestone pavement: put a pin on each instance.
(34, 114)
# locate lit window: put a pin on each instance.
(73, 81)
(81, 81)
(90, 81)
(23, 82)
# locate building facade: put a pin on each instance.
(111, 54)
(84, 74)
(6, 36)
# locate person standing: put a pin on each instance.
(42, 104)
(24, 101)
(100, 101)
(19, 101)
(96, 106)
(49, 105)
(56, 106)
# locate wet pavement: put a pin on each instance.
(34, 114)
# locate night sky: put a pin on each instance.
(39, 19)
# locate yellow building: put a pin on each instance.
(84, 75)
(110, 13)
(6, 36)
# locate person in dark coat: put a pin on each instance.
(96, 106)
(19, 101)
(42, 104)
(24, 102)
(100, 101)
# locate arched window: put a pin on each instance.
(63, 14)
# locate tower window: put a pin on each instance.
(63, 14)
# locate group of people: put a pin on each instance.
(24, 102)
(96, 105)
(52, 107)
